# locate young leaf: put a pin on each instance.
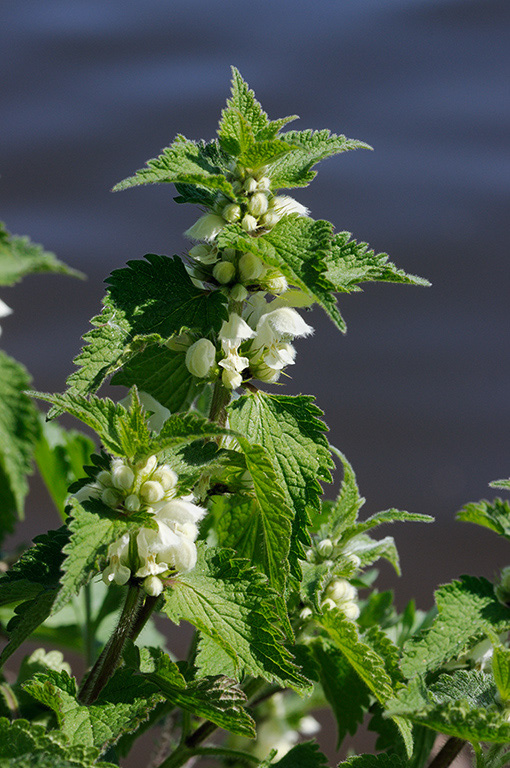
(501, 670)
(344, 511)
(468, 610)
(232, 606)
(20, 257)
(18, 433)
(29, 745)
(183, 162)
(297, 246)
(291, 430)
(494, 515)
(122, 706)
(304, 755)
(350, 263)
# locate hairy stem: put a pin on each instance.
(447, 753)
(106, 664)
(219, 402)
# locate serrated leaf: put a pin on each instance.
(290, 429)
(163, 374)
(373, 761)
(494, 515)
(214, 698)
(297, 246)
(232, 606)
(500, 484)
(467, 611)
(29, 745)
(501, 670)
(183, 162)
(18, 433)
(60, 455)
(461, 705)
(350, 263)
(344, 511)
(348, 696)
(124, 703)
(20, 257)
(147, 301)
(306, 755)
(370, 550)
(294, 170)
(32, 581)
(242, 119)
(368, 665)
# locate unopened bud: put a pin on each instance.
(264, 183)
(328, 604)
(276, 282)
(104, 478)
(153, 586)
(231, 212)
(147, 466)
(166, 477)
(354, 559)
(123, 477)
(305, 613)
(200, 358)
(350, 610)
(231, 379)
(269, 219)
(341, 589)
(132, 503)
(250, 185)
(325, 547)
(238, 292)
(110, 497)
(224, 272)
(265, 373)
(257, 204)
(251, 267)
(151, 491)
(249, 223)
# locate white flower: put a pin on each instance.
(284, 204)
(4, 311)
(282, 324)
(234, 331)
(341, 594)
(207, 227)
(200, 358)
(180, 511)
(117, 569)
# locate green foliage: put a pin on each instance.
(374, 761)
(20, 257)
(494, 515)
(304, 755)
(147, 301)
(467, 611)
(289, 428)
(18, 434)
(28, 745)
(501, 671)
(231, 605)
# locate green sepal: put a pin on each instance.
(467, 611)
(230, 603)
(19, 257)
(19, 429)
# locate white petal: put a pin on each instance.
(234, 331)
(4, 309)
(180, 511)
(206, 228)
(284, 204)
(283, 322)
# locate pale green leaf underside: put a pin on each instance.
(489, 514)
(20, 257)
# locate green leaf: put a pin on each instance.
(290, 430)
(374, 761)
(29, 745)
(61, 455)
(214, 698)
(350, 263)
(148, 301)
(163, 374)
(294, 170)
(297, 246)
(32, 581)
(183, 162)
(348, 696)
(468, 610)
(20, 257)
(461, 705)
(388, 516)
(368, 665)
(344, 512)
(494, 515)
(369, 550)
(232, 606)
(124, 703)
(501, 670)
(304, 755)
(500, 484)
(18, 433)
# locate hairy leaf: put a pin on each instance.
(374, 761)
(494, 515)
(20, 257)
(304, 755)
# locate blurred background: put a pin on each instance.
(416, 393)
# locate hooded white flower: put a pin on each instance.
(207, 227)
(200, 358)
(4, 311)
(164, 549)
(284, 204)
(117, 569)
(233, 332)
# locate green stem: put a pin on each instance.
(88, 631)
(224, 752)
(447, 753)
(219, 402)
(106, 664)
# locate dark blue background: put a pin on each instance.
(416, 394)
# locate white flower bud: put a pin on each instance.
(231, 379)
(132, 503)
(149, 465)
(340, 590)
(276, 283)
(238, 292)
(354, 559)
(123, 478)
(231, 212)
(250, 185)
(250, 267)
(200, 358)
(152, 491)
(166, 476)
(308, 725)
(257, 205)
(264, 373)
(104, 478)
(206, 228)
(350, 610)
(249, 223)
(205, 254)
(110, 497)
(269, 219)
(328, 604)
(325, 547)
(224, 272)
(153, 586)
(305, 613)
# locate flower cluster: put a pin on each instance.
(151, 552)
(341, 594)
